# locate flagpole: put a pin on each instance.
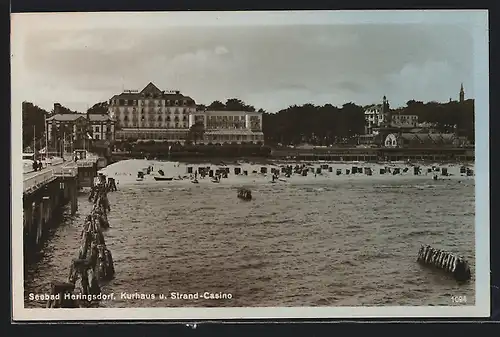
(46, 137)
(34, 141)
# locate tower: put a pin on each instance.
(462, 93)
(386, 112)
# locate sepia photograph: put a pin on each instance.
(233, 165)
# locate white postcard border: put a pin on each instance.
(478, 18)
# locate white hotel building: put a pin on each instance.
(375, 117)
(153, 114)
(229, 126)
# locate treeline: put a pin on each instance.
(175, 150)
(308, 123)
(34, 121)
(232, 104)
(33, 124)
(444, 115)
(99, 108)
(328, 124)
(317, 125)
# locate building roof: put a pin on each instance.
(233, 132)
(230, 113)
(429, 137)
(157, 94)
(74, 117)
(146, 130)
(372, 107)
(398, 115)
(99, 117)
(66, 117)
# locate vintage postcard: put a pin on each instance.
(250, 165)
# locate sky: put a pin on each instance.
(268, 60)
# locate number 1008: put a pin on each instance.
(459, 299)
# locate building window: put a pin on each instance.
(96, 137)
(97, 129)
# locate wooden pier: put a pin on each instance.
(49, 189)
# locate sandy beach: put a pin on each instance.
(125, 172)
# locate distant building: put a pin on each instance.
(404, 121)
(380, 121)
(77, 129)
(229, 126)
(380, 116)
(423, 140)
(374, 117)
(152, 114)
(389, 129)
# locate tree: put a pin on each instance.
(196, 132)
(99, 108)
(235, 104)
(216, 105)
(33, 124)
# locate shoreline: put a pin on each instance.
(271, 161)
(125, 172)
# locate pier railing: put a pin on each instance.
(66, 171)
(37, 180)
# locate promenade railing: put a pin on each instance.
(37, 180)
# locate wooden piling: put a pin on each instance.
(94, 263)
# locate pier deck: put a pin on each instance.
(49, 189)
(37, 179)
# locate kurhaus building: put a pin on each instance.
(154, 114)
(151, 114)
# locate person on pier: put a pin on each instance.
(112, 185)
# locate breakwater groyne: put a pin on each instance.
(455, 265)
(94, 264)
